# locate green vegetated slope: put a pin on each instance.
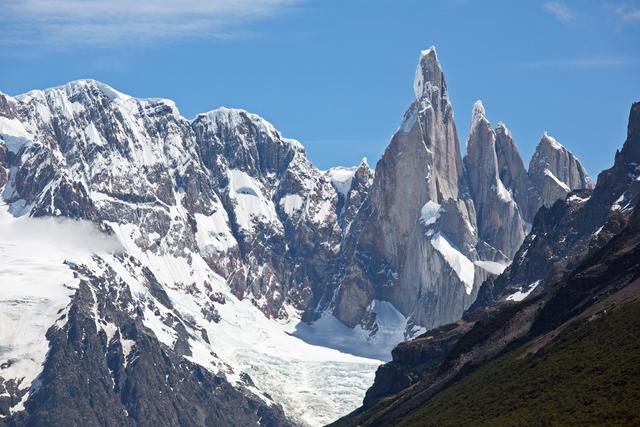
(588, 375)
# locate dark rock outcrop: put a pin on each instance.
(112, 370)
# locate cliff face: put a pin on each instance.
(514, 176)
(435, 226)
(555, 172)
(563, 234)
(419, 208)
(500, 222)
(585, 252)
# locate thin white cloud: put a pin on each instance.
(559, 10)
(117, 22)
(626, 12)
(581, 63)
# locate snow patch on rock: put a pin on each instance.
(13, 133)
(492, 267)
(430, 213)
(341, 178)
(251, 203)
(552, 141)
(291, 203)
(213, 233)
(459, 263)
(564, 186)
(520, 295)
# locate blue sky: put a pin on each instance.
(337, 74)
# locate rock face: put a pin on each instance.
(554, 171)
(500, 222)
(283, 211)
(564, 234)
(418, 209)
(601, 276)
(514, 176)
(434, 226)
(226, 189)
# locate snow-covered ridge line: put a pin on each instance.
(229, 116)
(552, 141)
(478, 114)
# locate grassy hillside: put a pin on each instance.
(589, 375)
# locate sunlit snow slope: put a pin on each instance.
(37, 283)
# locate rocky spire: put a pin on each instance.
(498, 217)
(565, 233)
(429, 79)
(394, 257)
(555, 171)
(513, 173)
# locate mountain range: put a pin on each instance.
(568, 343)
(169, 271)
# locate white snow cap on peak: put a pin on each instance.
(84, 86)
(427, 71)
(478, 114)
(235, 118)
(74, 87)
(108, 91)
(551, 141)
(504, 127)
(431, 50)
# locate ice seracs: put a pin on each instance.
(430, 213)
(478, 114)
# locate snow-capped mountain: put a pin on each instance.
(435, 226)
(568, 333)
(227, 233)
(210, 259)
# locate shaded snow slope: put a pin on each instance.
(36, 285)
